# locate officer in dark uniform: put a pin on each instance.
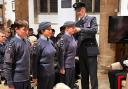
(87, 46)
(17, 58)
(44, 51)
(67, 59)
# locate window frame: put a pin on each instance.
(48, 12)
(65, 4)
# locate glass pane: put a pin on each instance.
(88, 5)
(119, 5)
(77, 0)
(97, 6)
(53, 5)
(66, 3)
(43, 5)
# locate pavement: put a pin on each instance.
(102, 81)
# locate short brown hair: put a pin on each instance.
(20, 23)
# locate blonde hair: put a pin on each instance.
(7, 30)
(61, 86)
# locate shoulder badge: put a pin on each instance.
(60, 43)
(10, 45)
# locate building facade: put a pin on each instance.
(59, 11)
(55, 11)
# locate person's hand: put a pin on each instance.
(62, 71)
(77, 29)
(11, 87)
(34, 82)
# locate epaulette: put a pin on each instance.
(10, 44)
(60, 42)
(36, 45)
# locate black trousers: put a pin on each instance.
(88, 68)
(22, 85)
(46, 82)
(113, 77)
(69, 77)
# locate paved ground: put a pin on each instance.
(102, 79)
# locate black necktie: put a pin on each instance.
(47, 39)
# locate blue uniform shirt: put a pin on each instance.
(44, 60)
(69, 46)
(17, 60)
(2, 51)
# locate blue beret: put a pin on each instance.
(78, 5)
(69, 23)
(44, 25)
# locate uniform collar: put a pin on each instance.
(84, 17)
(23, 39)
(18, 36)
(68, 34)
(43, 37)
(1, 43)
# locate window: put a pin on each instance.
(97, 6)
(92, 5)
(66, 3)
(48, 6)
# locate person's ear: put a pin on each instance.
(42, 31)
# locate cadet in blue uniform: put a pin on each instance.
(67, 59)
(2, 51)
(17, 58)
(43, 69)
(87, 46)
